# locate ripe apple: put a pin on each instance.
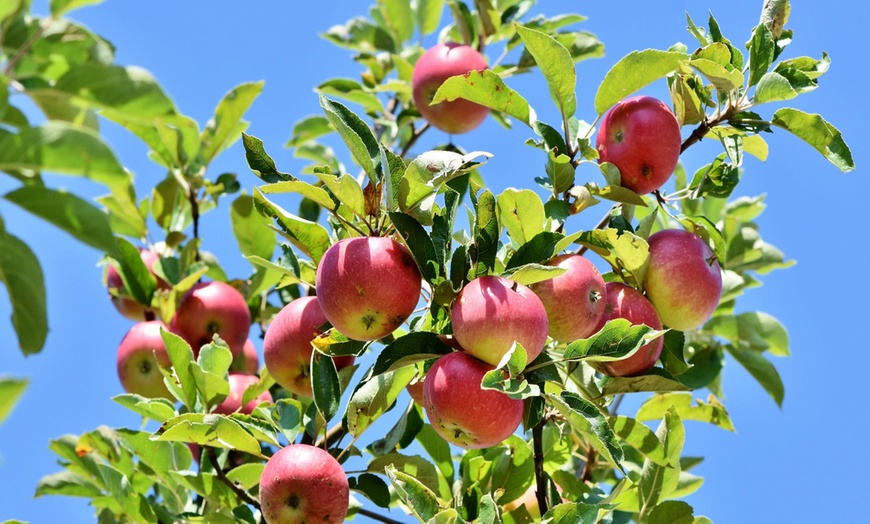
(684, 281)
(248, 361)
(239, 382)
(463, 413)
(641, 136)
(367, 286)
(431, 70)
(121, 299)
(574, 300)
(139, 355)
(209, 308)
(622, 301)
(492, 312)
(287, 347)
(303, 483)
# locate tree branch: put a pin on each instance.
(413, 140)
(540, 480)
(333, 436)
(374, 516)
(242, 494)
(25, 47)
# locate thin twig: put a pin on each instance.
(10, 65)
(242, 494)
(374, 516)
(540, 481)
(601, 224)
(413, 140)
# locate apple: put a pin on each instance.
(574, 300)
(210, 308)
(684, 281)
(139, 357)
(435, 66)
(492, 312)
(463, 413)
(239, 382)
(640, 136)
(367, 286)
(287, 347)
(303, 483)
(248, 360)
(126, 305)
(622, 301)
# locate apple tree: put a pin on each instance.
(404, 271)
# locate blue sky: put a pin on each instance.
(799, 464)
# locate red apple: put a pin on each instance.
(303, 483)
(139, 356)
(209, 308)
(434, 67)
(463, 413)
(622, 301)
(640, 136)
(248, 361)
(287, 347)
(684, 281)
(367, 286)
(492, 312)
(239, 382)
(574, 300)
(121, 299)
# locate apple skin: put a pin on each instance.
(435, 66)
(239, 382)
(574, 300)
(303, 483)
(367, 286)
(463, 413)
(492, 312)
(140, 353)
(248, 361)
(126, 305)
(684, 280)
(622, 301)
(641, 136)
(213, 307)
(287, 347)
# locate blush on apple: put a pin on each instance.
(239, 382)
(367, 286)
(640, 136)
(463, 413)
(431, 70)
(139, 357)
(624, 301)
(287, 347)
(574, 300)
(684, 281)
(210, 308)
(492, 312)
(303, 483)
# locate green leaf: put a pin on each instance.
(325, 385)
(529, 274)
(347, 190)
(333, 343)
(246, 476)
(61, 7)
(632, 72)
(226, 126)
(181, 357)
(575, 513)
(419, 244)
(137, 277)
(584, 417)
(313, 193)
(773, 87)
(309, 128)
(756, 330)
(618, 339)
(438, 449)
(538, 250)
(373, 487)
(67, 483)
(402, 434)
(310, 237)
(655, 380)
(425, 176)
(762, 369)
(626, 252)
(373, 397)
(251, 229)
(486, 232)
(7, 9)
(260, 162)
(287, 415)
(399, 17)
(487, 89)
(420, 500)
(157, 409)
(10, 391)
(672, 512)
(761, 50)
(814, 130)
(22, 275)
(356, 135)
(427, 13)
(711, 412)
(774, 15)
(219, 431)
(640, 437)
(522, 214)
(658, 482)
(723, 78)
(556, 64)
(352, 91)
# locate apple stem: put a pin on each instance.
(375, 516)
(540, 480)
(246, 497)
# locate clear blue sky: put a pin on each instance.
(794, 465)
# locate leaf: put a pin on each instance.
(762, 369)
(427, 13)
(533, 273)
(212, 430)
(61, 7)
(22, 275)
(373, 487)
(632, 72)
(658, 482)
(181, 357)
(723, 78)
(420, 500)
(618, 339)
(399, 17)
(640, 438)
(10, 391)
(487, 89)
(67, 483)
(352, 91)
(419, 244)
(814, 130)
(426, 175)
(347, 190)
(251, 229)
(157, 409)
(288, 417)
(137, 277)
(224, 127)
(260, 162)
(438, 449)
(325, 385)
(774, 15)
(761, 50)
(653, 381)
(624, 251)
(310, 237)
(711, 412)
(356, 135)
(373, 397)
(402, 434)
(584, 417)
(486, 231)
(556, 64)
(756, 330)
(414, 465)
(672, 512)
(408, 350)
(773, 87)
(522, 214)
(575, 513)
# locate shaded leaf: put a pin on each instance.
(487, 89)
